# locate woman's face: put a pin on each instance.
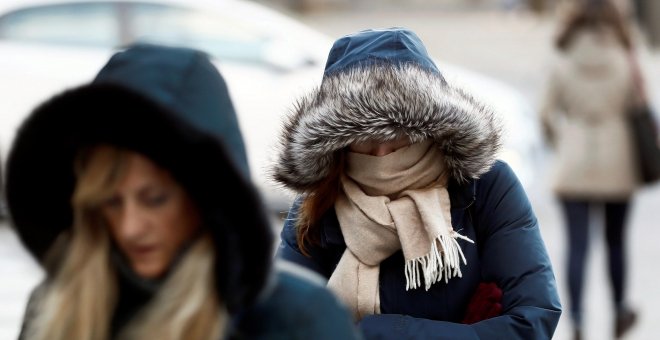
(376, 148)
(150, 217)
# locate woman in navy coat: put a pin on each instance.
(402, 205)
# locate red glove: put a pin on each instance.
(486, 303)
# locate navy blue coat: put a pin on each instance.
(494, 212)
(291, 309)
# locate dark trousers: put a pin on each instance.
(577, 222)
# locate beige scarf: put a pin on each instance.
(397, 201)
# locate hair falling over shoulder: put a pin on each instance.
(80, 294)
(78, 298)
(316, 202)
(184, 308)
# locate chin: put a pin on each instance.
(149, 272)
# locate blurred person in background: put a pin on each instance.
(402, 205)
(589, 93)
(133, 193)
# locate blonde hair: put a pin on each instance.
(79, 298)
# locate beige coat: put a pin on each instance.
(584, 117)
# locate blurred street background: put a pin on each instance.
(507, 42)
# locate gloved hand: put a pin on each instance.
(486, 303)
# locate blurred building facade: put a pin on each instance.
(647, 12)
(315, 5)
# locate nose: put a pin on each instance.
(132, 224)
(382, 150)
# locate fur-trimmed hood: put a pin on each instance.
(381, 84)
(171, 105)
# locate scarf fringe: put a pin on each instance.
(432, 264)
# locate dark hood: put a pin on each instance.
(394, 46)
(380, 84)
(171, 105)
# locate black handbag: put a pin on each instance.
(645, 139)
(643, 127)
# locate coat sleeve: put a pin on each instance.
(324, 317)
(513, 256)
(294, 307)
(290, 251)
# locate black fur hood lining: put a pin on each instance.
(41, 179)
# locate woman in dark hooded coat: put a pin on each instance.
(133, 193)
(403, 206)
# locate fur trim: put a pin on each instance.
(385, 101)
